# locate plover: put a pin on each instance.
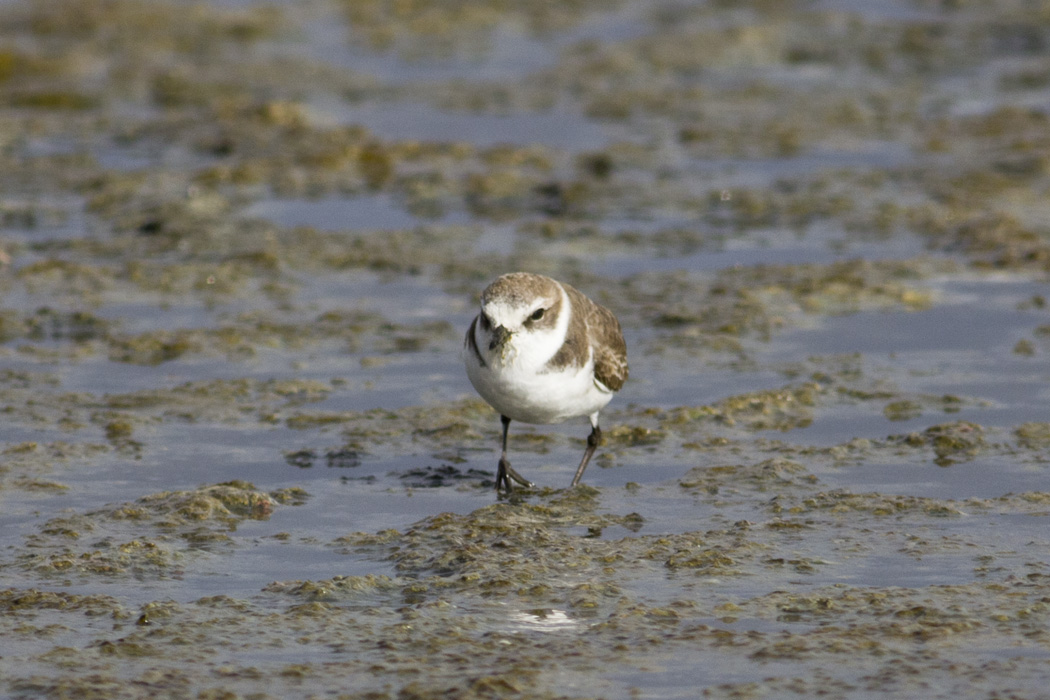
(542, 352)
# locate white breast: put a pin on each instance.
(538, 397)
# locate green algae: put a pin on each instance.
(30, 465)
(902, 410)
(152, 348)
(776, 475)
(28, 600)
(844, 503)
(1033, 435)
(747, 573)
(164, 528)
(951, 442)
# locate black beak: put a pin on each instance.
(499, 337)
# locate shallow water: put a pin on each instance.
(554, 129)
(240, 454)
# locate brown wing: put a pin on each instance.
(610, 351)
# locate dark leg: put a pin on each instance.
(592, 443)
(504, 472)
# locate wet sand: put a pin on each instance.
(241, 243)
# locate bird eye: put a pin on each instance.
(537, 314)
(485, 323)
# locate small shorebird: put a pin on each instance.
(542, 352)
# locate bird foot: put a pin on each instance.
(505, 473)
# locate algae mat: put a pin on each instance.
(240, 243)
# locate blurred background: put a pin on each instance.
(241, 241)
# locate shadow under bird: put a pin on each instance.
(540, 351)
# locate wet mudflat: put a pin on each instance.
(241, 242)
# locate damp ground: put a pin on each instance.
(241, 242)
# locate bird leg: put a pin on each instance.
(592, 443)
(504, 472)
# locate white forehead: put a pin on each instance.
(513, 297)
(511, 313)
